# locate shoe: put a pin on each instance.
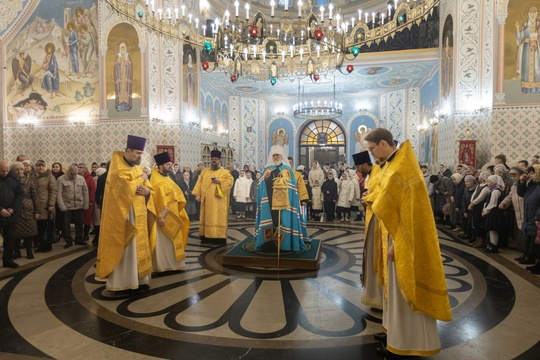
(243, 216)
(17, 254)
(535, 271)
(80, 242)
(456, 229)
(527, 261)
(239, 217)
(380, 337)
(385, 354)
(68, 244)
(492, 249)
(519, 258)
(43, 249)
(30, 256)
(11, 264)
(537, 265)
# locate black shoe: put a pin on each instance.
(492, 249)
(532, 267)
(11, 264)
(527, 261)
(44, 249)
(535, 271)
(380, 337)
(522, 257)
(30, 257)
(68, 244)
(80, 242)
(17, 254)
(385, 354)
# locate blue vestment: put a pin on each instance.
(293, 225)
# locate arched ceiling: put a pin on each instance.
(373, 75)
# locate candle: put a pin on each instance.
(330, 8)
(271, 28)
(169, 13)
(300, 3)
(196, 23)
(176, 13)
(286, 5)
(338, 18)
(190, 16)
(382, 18)
(272, 4)
(359, 15)
(292, 50)
(236, 5)
(366, 17)
(264, 56)
(301, 54)
(226, 17)
(183, 10)
(318, 51)
(322, 13)
(373, 15)
(395, 4)
(231, 47)
(247, 11)
(160, 12)
(245, 53)
(389, 10)
(282, 56)
(352, 22)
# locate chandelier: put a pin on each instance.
(317, 109)
(287, 39)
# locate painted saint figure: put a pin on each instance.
(22, 65)
(86, 49)
(51, 78)
(123, 79)
(528, 53)
(73, 47)
(190, 80)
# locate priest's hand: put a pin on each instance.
(267, 173)
(391, 253)
(161, 221)
(143, 190)
(198, 198)
(144, 176)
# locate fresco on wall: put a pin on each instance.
(123, 70)
(428, 129)
(53, 64)
(522, 51)
(447, 60)
(190, 83)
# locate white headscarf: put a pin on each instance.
(277, 149)
(497, 180)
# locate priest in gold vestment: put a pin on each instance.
(124, 253)
(212, 190)
(414, 282)
(172, 223)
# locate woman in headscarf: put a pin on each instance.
(468, 230)
(516, 202)
(476, 206)
(456, 201)
(491, 212)
(529, 188)
(26, 227)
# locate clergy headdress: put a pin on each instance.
(361, 158)
(162, 158)
(215, 154)
(135, 142)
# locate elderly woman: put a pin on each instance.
(468, 230)
(491, 211)
(46, 187)
(516, 201)
(529, 188)
(476, 206)
(26, 227)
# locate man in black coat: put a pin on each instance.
(11, 195)
(186, 184)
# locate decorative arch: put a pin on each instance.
(322, 140)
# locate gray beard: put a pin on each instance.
(214, 167)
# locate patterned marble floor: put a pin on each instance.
(52, 307)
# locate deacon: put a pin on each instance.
(127, 217)
(415, 287)
(172, 221)
(278, 216)
(212, 190)
(373, 290)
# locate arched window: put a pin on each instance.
(322, 132)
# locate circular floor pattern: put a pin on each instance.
(226, 311)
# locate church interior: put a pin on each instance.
(459, 79)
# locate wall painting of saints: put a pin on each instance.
(123, 71)
(190, 83)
